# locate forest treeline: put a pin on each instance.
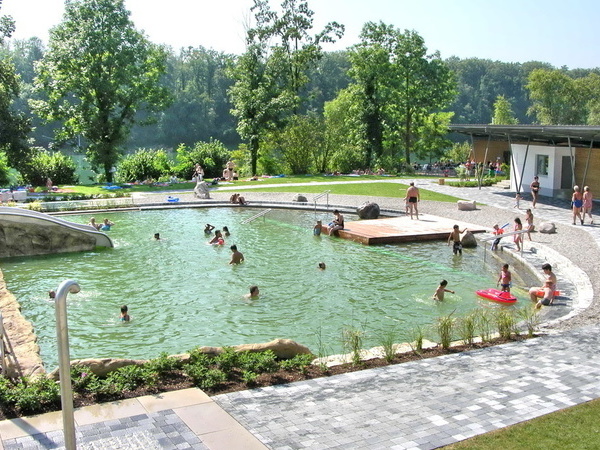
(201, 109)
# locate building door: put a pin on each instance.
(566, 175)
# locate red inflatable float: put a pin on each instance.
(497, 296)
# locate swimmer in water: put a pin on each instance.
(254, 293)
(124, 314)
(439, 292)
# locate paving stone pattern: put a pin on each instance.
(428, 403)
(161, 430)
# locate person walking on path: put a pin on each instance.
(529, 220)
(518, 238)
(577, 204)
(587, 204)
(413, 196)
(535, 189)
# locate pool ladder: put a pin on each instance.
(318, 196)
(256, 216)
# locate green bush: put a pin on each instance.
(298, 362)
(205, 378)
(259, 362)
(82, 378)
(60, 168)
(163, 364)
(228, 360)
(32, 395)
(143, 165)
(211, 155)
(249, 377)
(127, 378)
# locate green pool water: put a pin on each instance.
(182, 293)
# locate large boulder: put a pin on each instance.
(468, 240)
(465, 205)
(368, 210)
(283, 349)
(300, 198)
(547, 228)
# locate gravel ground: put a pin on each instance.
(578, 244)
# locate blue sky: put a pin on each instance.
(558, 32)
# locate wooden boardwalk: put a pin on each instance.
(402, 229)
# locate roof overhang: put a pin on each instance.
(556, 135)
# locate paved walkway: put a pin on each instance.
(423, 404)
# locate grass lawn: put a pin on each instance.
(372, 189)
(317, 186)
(577, 427)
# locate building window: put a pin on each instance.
(541, 164)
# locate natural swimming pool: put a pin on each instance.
(182, 293)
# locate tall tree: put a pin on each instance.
(271, 74)
(401, 83)
(14, 126)
(503, 114)
(98, 71)
(556, 98)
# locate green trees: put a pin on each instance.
(503, 114)
(270, 75)
(99, 70)
(557, 99)
(400, 85)
(14, 126)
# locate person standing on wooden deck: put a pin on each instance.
(414, 197)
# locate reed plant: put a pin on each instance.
(466, 328)
(505, 322)
(352, 340)
(531, 318)
(418, 335)
(484, 324)
(387, 340)
(445, 326)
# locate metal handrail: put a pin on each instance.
(499, 236)
(318, 196)
(256, 216)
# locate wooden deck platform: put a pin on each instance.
(402, 229)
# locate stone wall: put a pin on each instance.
(23, 353)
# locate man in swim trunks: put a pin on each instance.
(549, 282)
(535, 188)
(413, 196)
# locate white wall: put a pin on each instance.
(549, 184)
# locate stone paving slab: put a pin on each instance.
(159, 430)
(429, 403)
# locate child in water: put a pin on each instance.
(439, 292)
(505, 278)
(317, 228)
(208, 229)
(124, 314)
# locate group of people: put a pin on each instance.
(104, 226)
(581, 202)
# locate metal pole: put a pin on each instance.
(572, 160)
(524, 164)
(64, 363)
(587, 164)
